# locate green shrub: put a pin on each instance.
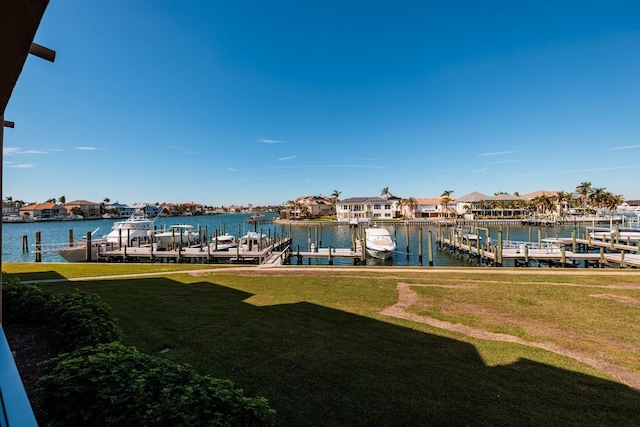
(111, 384)
(23, 303)
(78, 320)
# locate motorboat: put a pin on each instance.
(223, 242)
(379, 243)
(76, 251)
(177, 233)
(253, 241)
(622, 234)
(258, 218)
(135, 230)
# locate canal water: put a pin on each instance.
(304, 234)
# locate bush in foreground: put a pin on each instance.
(24, 303)
(78, 320)
(111, 384)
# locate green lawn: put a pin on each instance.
(315, 344)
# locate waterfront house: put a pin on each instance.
(153, 210)
(191, 208)
(120, 210)
(308, 207)
(44, 211)
(427, 208)
(367, 208)
(475, 204)
(10, 209)
(89, 209)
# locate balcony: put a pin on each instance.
(15, 408)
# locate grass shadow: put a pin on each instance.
(322, 366)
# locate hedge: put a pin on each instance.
(114, 385)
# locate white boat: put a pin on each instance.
(621, 234)
(253, 241)
(379, 243)
(77, 251)
(177, 233)
(135, 230)
(223, 242)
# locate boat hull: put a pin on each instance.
(379, 243)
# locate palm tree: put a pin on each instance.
(62, 199)
(385, 192)
(597, 197)
(107, 200)
(410, 203)
(335, 198)
(583, 190)
(612, 201)
(564, 200)
(445, 197)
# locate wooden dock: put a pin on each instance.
(201, 254)
(558, 252)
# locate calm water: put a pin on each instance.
(338, 236)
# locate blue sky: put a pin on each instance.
(238, 102)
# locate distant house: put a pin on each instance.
(89, 209)
(477, 204)
(191, 209)
(153, 210)
(10, 209)
(366, 208)
(429, 208)
(308, 207)
(123, 211)
(44, 211)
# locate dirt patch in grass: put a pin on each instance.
(619, 298)
(408, 298)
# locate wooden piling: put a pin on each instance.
(25, 244)
(38, 246)
(406, 233)
(430, 249)
(420, 246)
(88, 256)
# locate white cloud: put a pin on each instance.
(496, 153)
(479, 170)
(626, 147)
(16, 151)
(270, 141)
(10, 151)
(85, 148)
(287, 158)
(502, 162)
(19, 165)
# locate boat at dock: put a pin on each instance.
(135, 230)
(258, 218)
(379, 243)
(253, 241)
(177, 233)
(223, 242)
(622, 234)
(76, 251)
